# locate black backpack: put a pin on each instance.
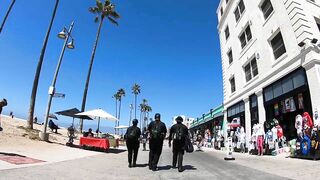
(178, 135)
(155, 132)
(132, 134)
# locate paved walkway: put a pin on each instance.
(198, 165)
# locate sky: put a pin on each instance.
(170, 48)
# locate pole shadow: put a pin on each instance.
(141, 165)
(188, 168)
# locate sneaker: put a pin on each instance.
(1, 129)
(129, 165)
(154, 168)
(134, 165)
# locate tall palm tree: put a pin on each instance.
(116, 97)
(142, 110)
(37, 75)
(136, 89)
(148, 109)
(103, 11)
(121, 92)
(7, 14)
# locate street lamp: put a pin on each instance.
(64, 34)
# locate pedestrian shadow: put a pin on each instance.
(163, 168)
(189, 167)
(141, 165)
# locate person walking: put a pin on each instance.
(3, 103)
(178, 133)
(144, 138)
(132, 140)
(158, 131)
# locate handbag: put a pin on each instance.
(188, 145)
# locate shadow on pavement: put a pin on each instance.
(141, 165)
(189, 167)
(167, 167)
(11, 154)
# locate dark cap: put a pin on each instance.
(4, 101)
(135, 121)
(179, 119)
(157, 116)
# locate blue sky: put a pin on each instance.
(170, 48)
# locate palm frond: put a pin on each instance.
(99, 5)
(96, 19)
(113, 21)
(114, 15)
(107, 3)
(93, 10)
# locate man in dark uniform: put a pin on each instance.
(132, 140)
(158, 131)
(2, 104)
(178, 133)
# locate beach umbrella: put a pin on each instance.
(72, 113)
(52, 116)
(122, 127)
(100, 114)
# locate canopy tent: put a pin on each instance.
(72, 113)
(98, 113)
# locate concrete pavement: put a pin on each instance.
(199, 165)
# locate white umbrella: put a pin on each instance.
(122, 127)
(98, 113)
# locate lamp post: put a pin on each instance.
(64, 34)
(131, 108)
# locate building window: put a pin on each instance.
(239, 10)
(266, 8)
(318, 23)
(251, 69)
(254, 110)
(233, 85)
(221, 11)
(245, 37)
(226, 32)
(230, 57)
(278, 45)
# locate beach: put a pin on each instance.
(15, 139)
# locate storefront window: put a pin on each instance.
(299, 79)
(268, 93)
(287, 85)
(277, 89)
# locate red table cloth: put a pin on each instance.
(95, 142)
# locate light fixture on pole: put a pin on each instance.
(63, 35)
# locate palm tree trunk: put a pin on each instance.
(37, 75)
(135, 106)
(7, 14)
(84, 99)
(119, 114)
(116, 115)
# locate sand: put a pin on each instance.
(16, 139)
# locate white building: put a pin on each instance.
(186, 121)
(270, 57)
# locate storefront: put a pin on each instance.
(287, 98)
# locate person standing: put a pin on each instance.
(132, 140)
(178, 133)
(158, 131)
(3, 103)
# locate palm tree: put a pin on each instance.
(103, 11)
(37, 75)
(7, 14)
(148, 109)
(142, 110)
(121, 92)
(116, 97)
(136, 89)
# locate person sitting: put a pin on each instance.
(35, 120)
(89, 133)
(53, 126)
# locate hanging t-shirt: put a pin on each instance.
(287, 104)
(276, 109)
(305, 145)
(298, 124)
(316, 119)
(292, 105)
(300, 101)
(274, 134)
(279, 131)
